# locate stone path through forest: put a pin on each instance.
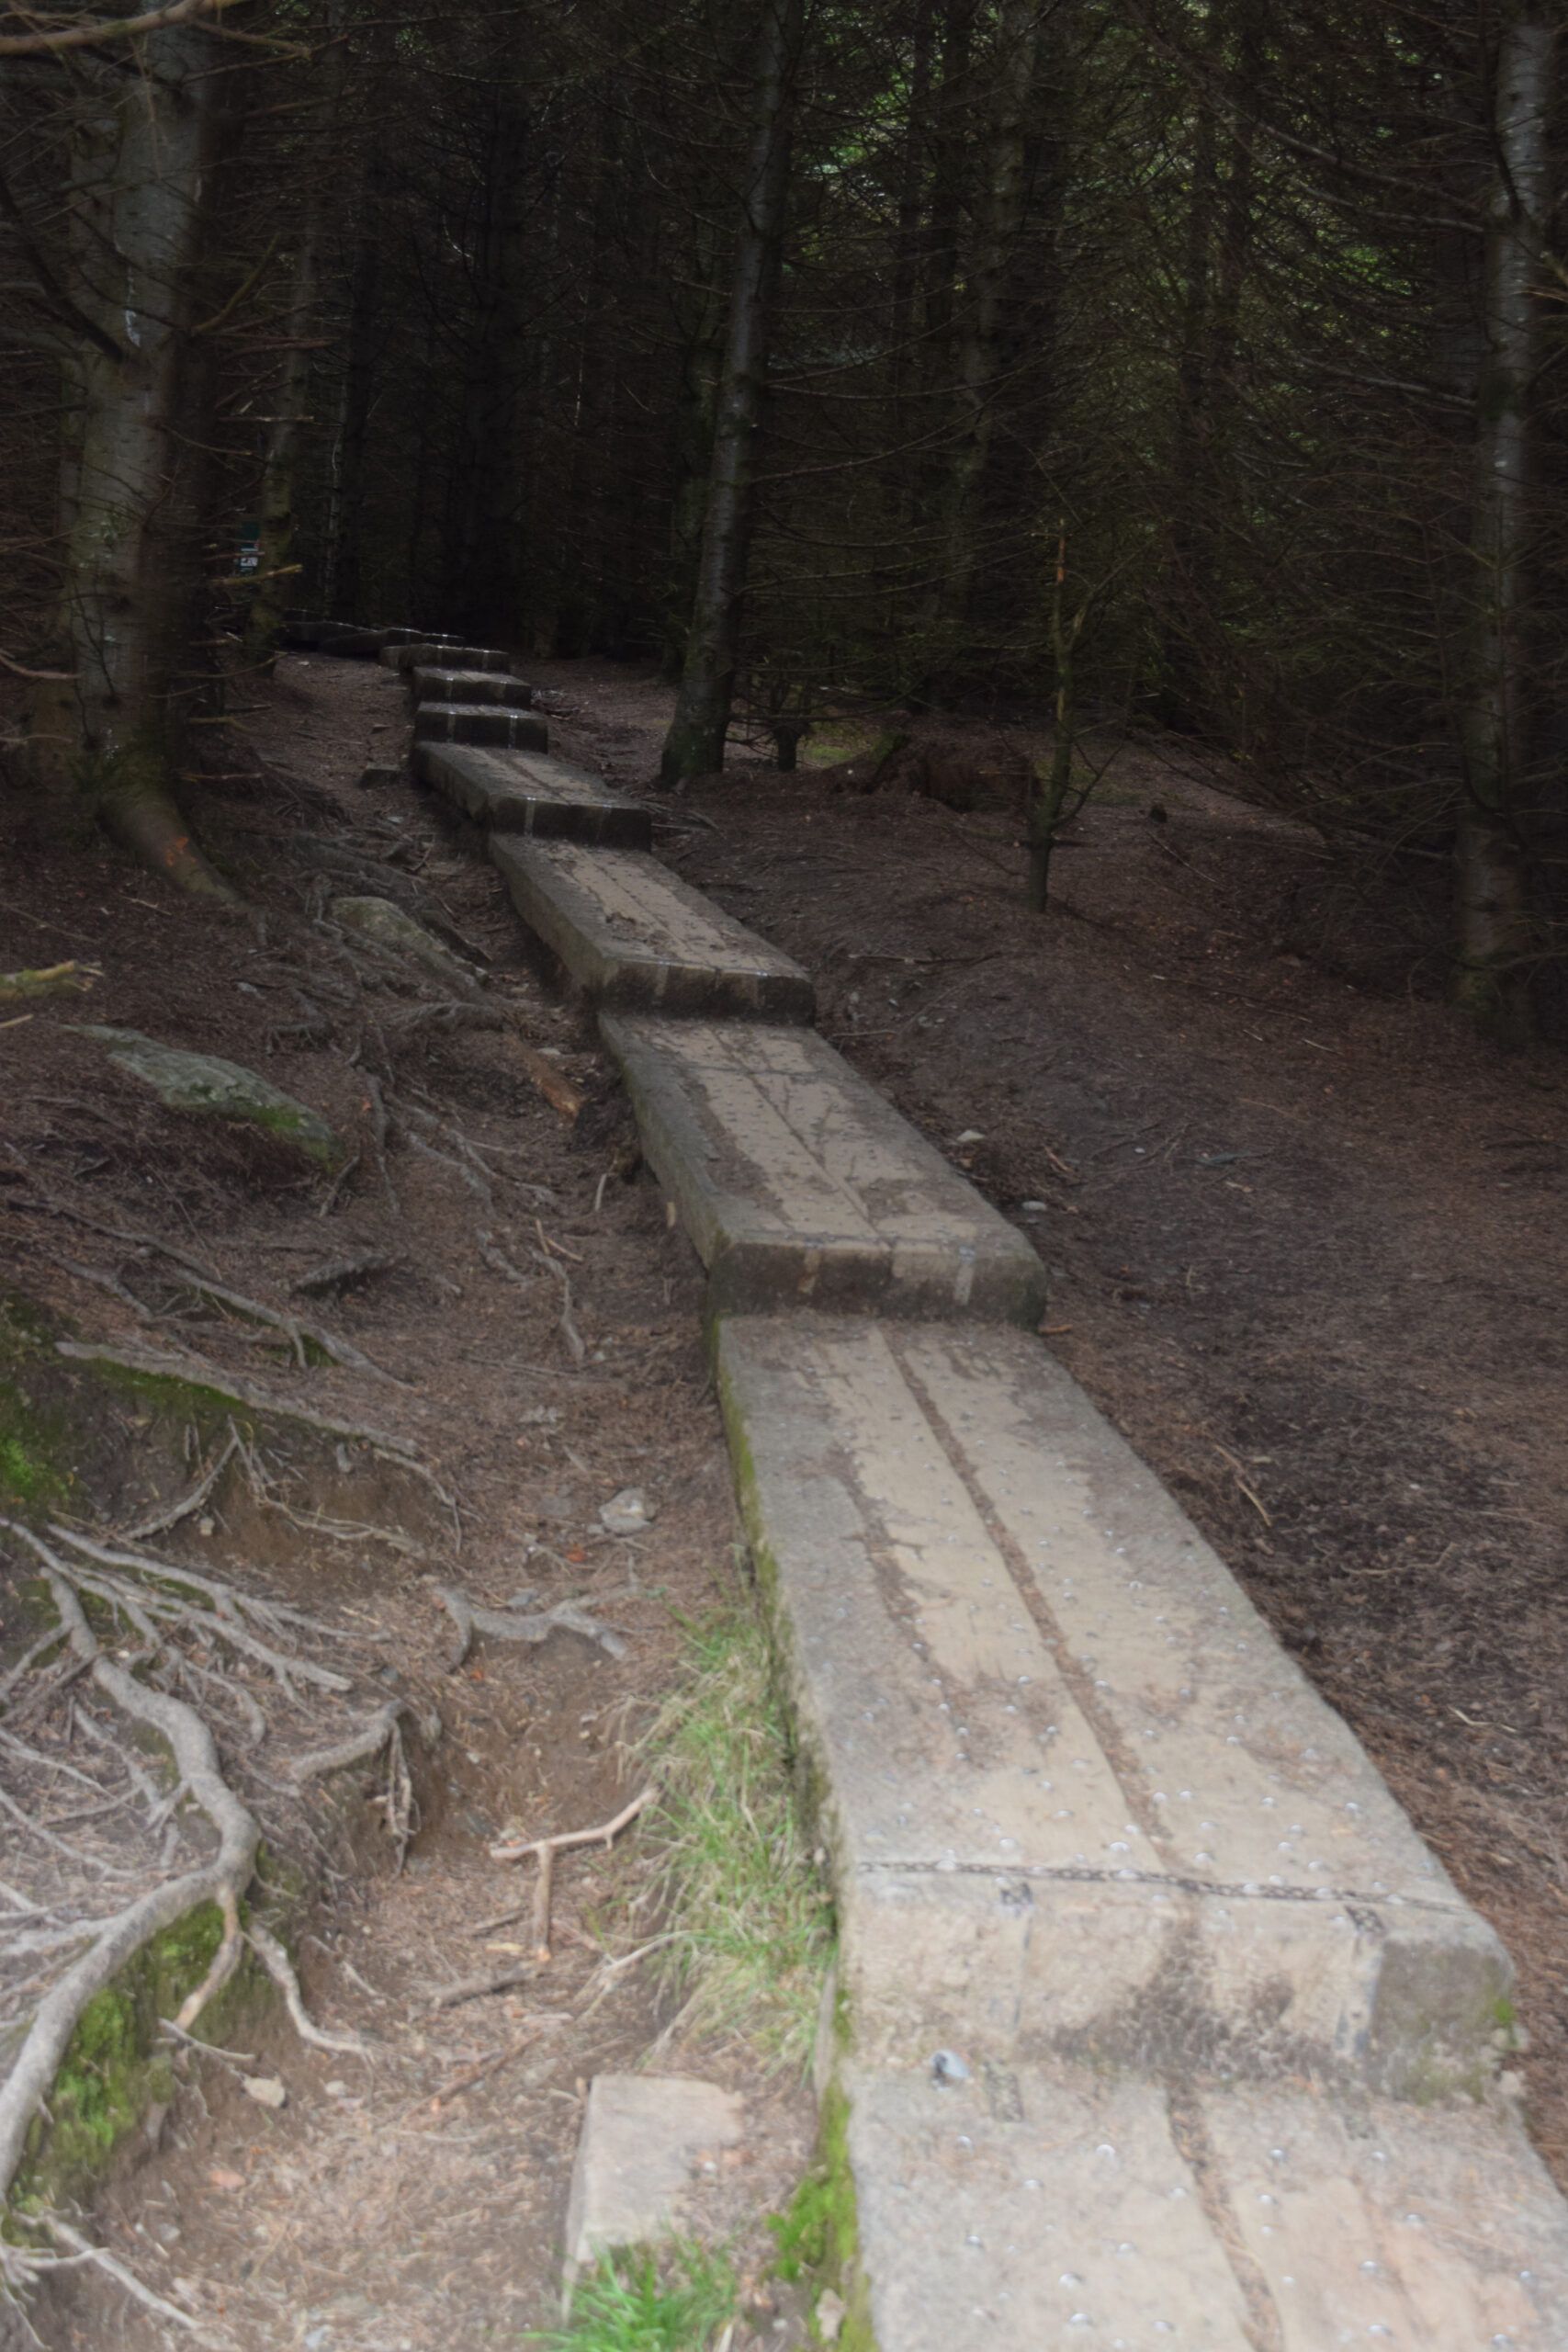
(1154, 2021)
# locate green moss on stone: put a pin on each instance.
(817, 2235)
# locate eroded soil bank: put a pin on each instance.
(533, 1331)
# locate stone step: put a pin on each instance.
(800, 1185)
(633, 936)
(1076, 1797)
(1035, 2211)
(476, 722)
(437, 685)
(407, 656)
(527, 792)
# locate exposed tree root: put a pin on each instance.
(222, 1878)
(510, 1625)
(157, 1599)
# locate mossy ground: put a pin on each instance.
(118, 2065)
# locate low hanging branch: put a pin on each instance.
(46, 39)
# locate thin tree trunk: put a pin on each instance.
(1495, 932)
(1019, 34)
(278, 572)
(694, 743)
(144, 168)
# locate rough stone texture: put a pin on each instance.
(632, 934)
(800, 1185)
(440, 683)
(379, 920)
(472, 722)
(209, 1087)
(416, 653)
(488, 658)
(644, 2136)
(527, 792)
(1029, 2211)
(1075, 1796)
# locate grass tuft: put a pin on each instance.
(640, 2302)
(751, 1930)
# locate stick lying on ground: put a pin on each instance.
(545, 1851)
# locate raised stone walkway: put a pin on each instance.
(1154, 2023)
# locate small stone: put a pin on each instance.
(378, 774)
(970, 1135)
(832, 2311)
(628, 1513)
(947, 2066)
(266, 2090)
(643, 2138)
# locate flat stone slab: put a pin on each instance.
(1076, 1797)
(475, 722)
(800, 1185)
(644, 2139)
(432, 683)
(632, 934)
(529, 792)
(409, 655)
(1028, 2211)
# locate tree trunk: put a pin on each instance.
(145, 152)
(1020, 35)
(275, 589)
(694, 743)
(1495, 932)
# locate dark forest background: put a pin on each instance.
(1193, 367)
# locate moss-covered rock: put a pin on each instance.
(209, 1087)
(390, 927)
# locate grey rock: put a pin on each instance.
(209, 1087)
(390, 927)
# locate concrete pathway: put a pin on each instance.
(1154, 2027)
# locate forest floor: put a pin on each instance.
(412, 2201)
(1305, 1250)
(1305, 1233)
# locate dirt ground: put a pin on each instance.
(1305, 1235)
(412, 2201)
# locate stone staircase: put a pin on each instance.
(1155, 2026)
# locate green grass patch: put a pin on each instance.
(750, 1923)
(678, 2299)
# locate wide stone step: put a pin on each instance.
(800, 1185)
(407, 655)
(437, 685)
(1035, 2211)
(529, 792)
(475, 722)
(1076, 1797)
(633, 936)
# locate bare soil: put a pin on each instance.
(1305, 1232)
(414, 2201)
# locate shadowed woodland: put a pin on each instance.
(1188, 367)
(1060, 509)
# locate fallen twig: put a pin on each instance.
(545, 1851)
(48, 980)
